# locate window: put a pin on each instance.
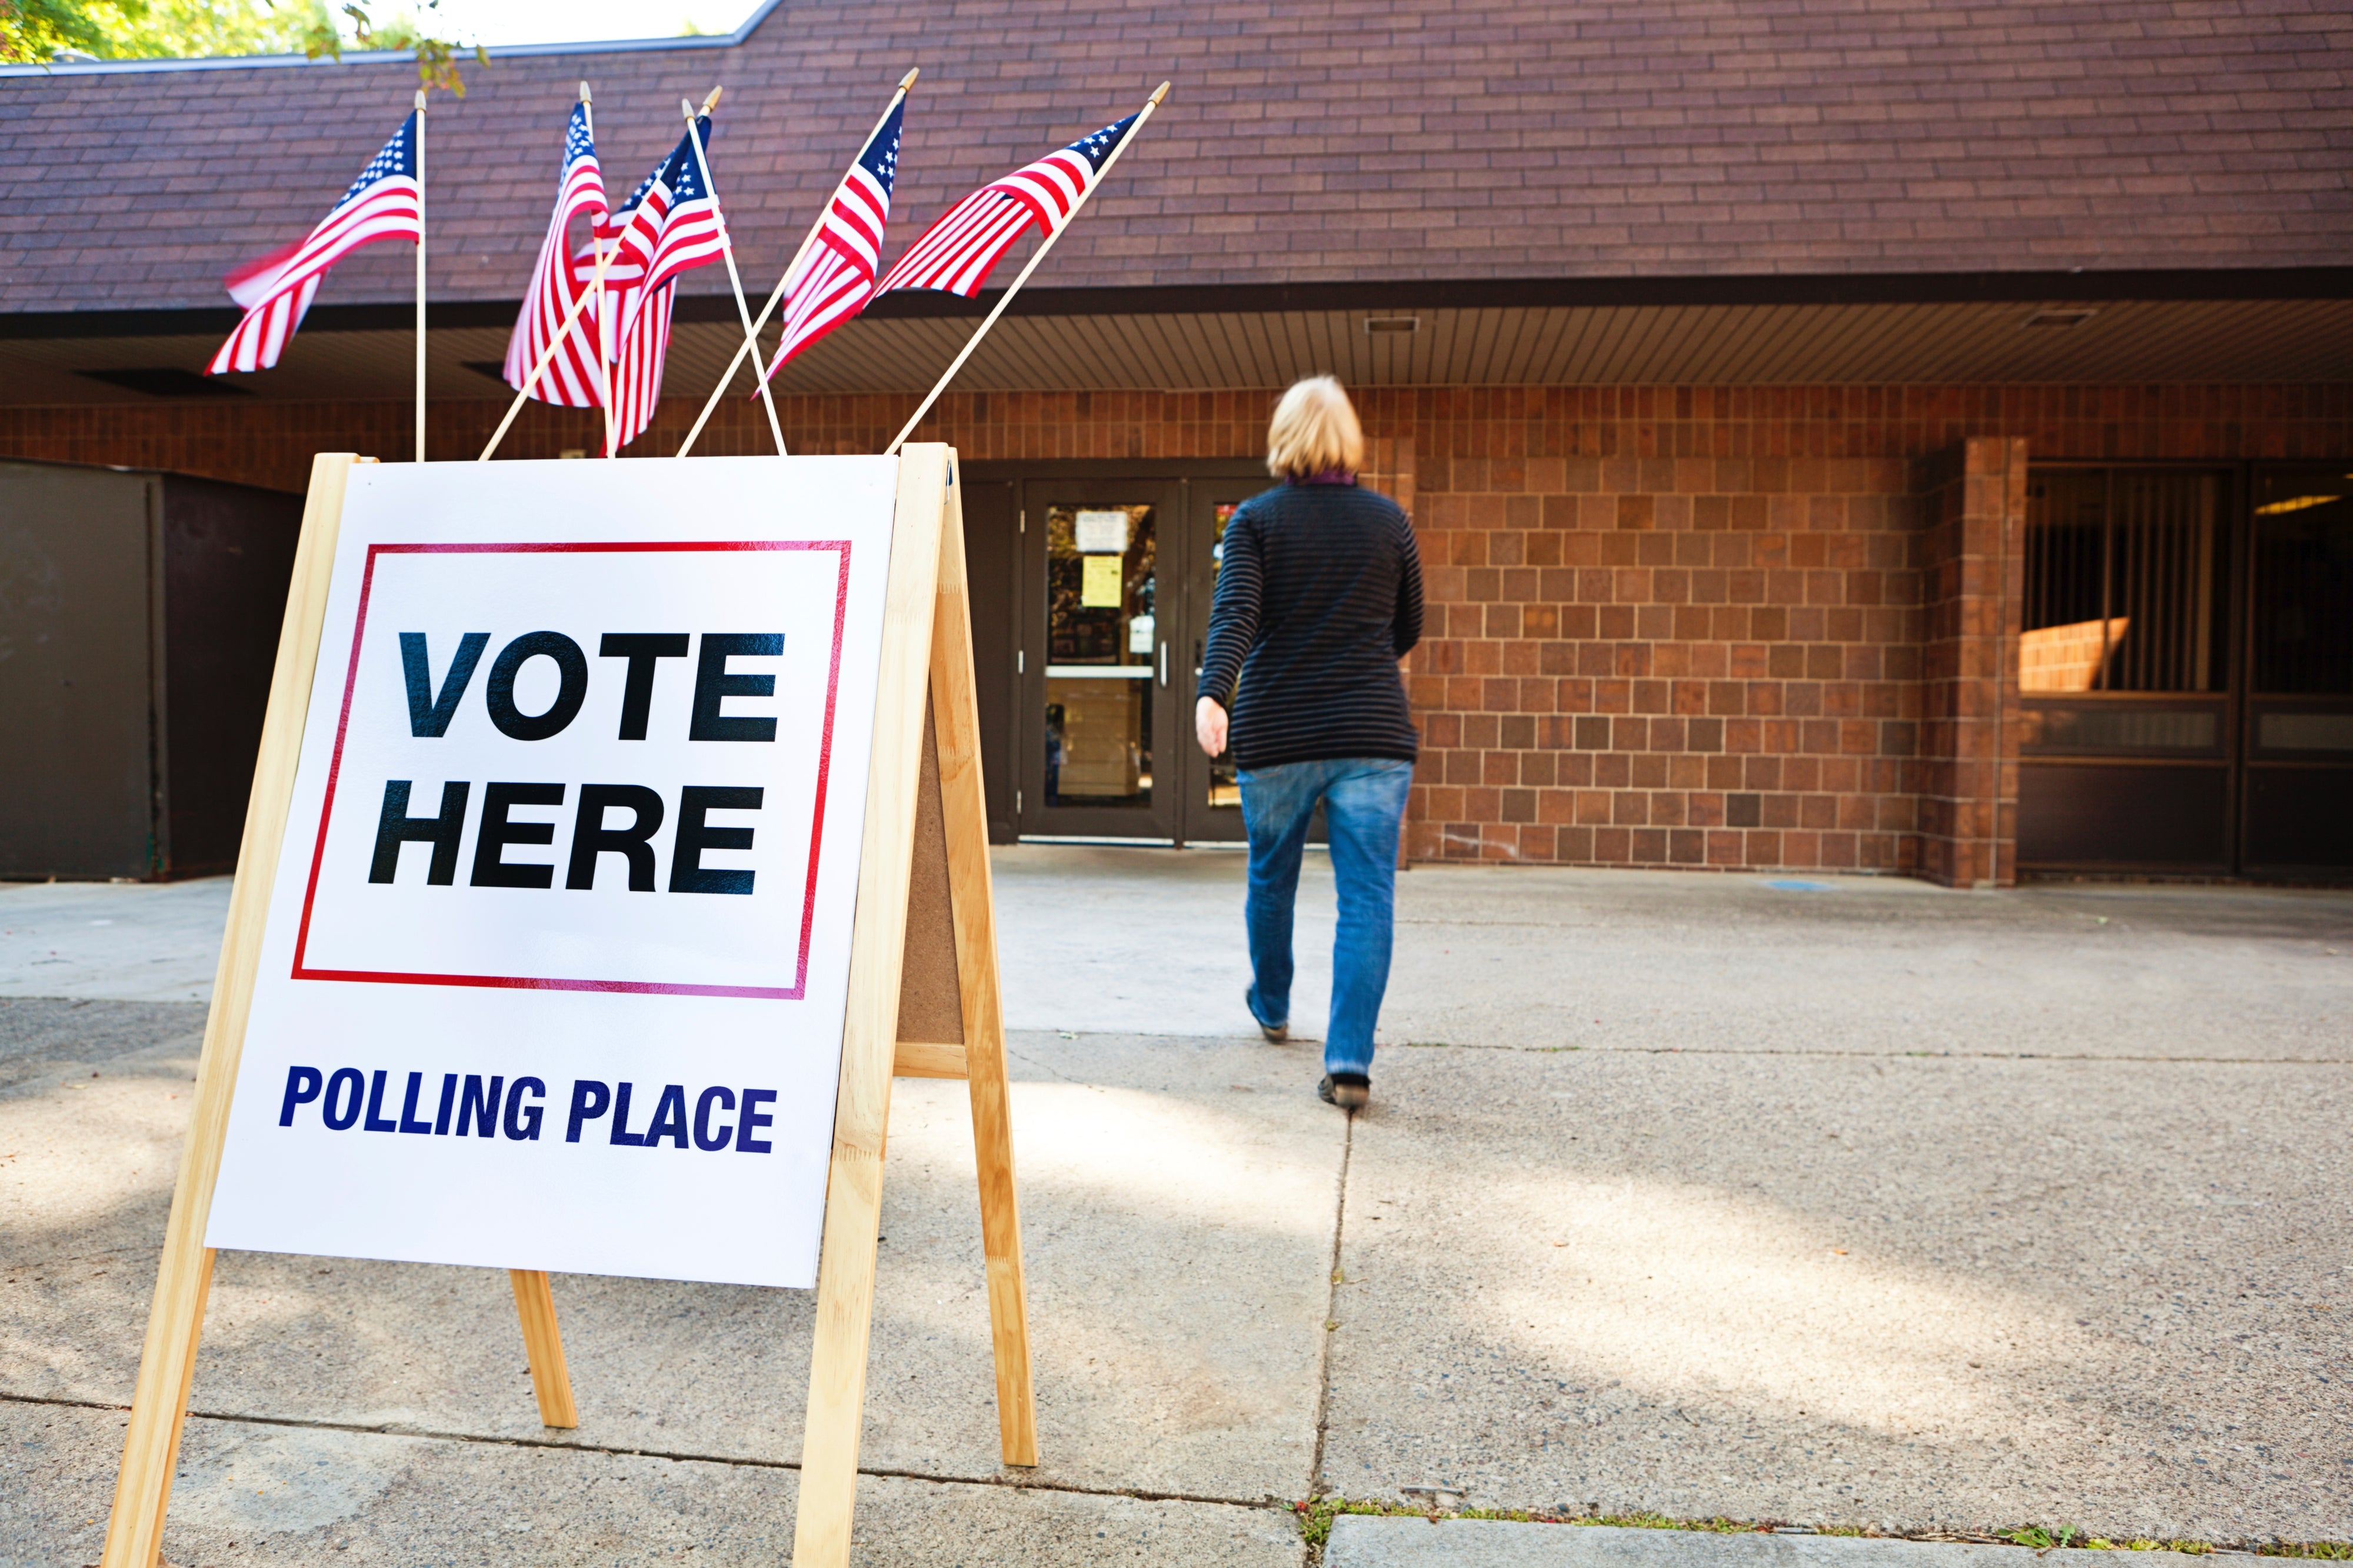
(2123, 582)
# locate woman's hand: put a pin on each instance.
(1210, 726)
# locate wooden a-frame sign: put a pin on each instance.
(923, 1002)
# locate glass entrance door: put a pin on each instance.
(1212, 799)
(1117, 575)
(1095, 664)
(2299, 721)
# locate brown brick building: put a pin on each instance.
(1887, 439)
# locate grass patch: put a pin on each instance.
(2039, 1538)
(2043, 1539)
(1315, 1516)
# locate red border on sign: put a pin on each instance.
(538, 983)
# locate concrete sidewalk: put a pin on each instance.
(1844, 1202)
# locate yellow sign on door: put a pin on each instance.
(1099, 589)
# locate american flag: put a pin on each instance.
(571, 377)
(671, 224)
(834, 278)
(386, 202)
(637, 364)
(957, 253)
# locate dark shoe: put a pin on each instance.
(1276, 1033)
(1348, 1090)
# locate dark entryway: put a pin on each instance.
(2187, 671)
(1093, 583)
(139, 617)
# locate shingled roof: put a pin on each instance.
(1305, 142)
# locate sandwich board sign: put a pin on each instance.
(616, 837)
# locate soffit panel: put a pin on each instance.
(1952, 343)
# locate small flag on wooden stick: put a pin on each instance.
(830, 300)
(573, 377)
(963, 245)
(958, 252)
(679, 228)
(669, 226)
(833, 278)
(386, 202)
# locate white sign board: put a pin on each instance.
(558, 948)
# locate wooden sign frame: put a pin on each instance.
(923, 1002)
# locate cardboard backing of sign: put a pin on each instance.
(921, 996)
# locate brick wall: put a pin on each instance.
(271, 443)
(1668, 661)
(1669, 626)
(1684, 626)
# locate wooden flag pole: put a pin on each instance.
(727, 250)
(777, 294)
(420, 275)
(604, 368)
(1040, 255)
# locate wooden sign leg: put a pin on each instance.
(159, 1401)
(955, 724)
(543, 1346)
(862, 1120)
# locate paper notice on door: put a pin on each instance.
(1099, 588)
(1139, 633)
(1102, 533)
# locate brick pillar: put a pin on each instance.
(1973, 526)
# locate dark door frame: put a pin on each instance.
(2252, 762)
(1198, 821)
(1020, 623)
(1154, 819)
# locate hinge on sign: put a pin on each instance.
(1017, 803)
(1025, 521)
(1020, 662)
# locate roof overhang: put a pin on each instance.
(2256, 325)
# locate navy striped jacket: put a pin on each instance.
(1319, 595)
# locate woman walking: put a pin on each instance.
(1319, 595)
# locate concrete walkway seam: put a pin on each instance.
(1363, 1542)
(675, 1456)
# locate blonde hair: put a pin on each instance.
(1314, 431)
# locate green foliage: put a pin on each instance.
(32, 31)
(36, 30)
(436, 57)
(192, 29)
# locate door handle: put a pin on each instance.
(1164, 664)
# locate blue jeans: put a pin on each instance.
(1364, 802)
